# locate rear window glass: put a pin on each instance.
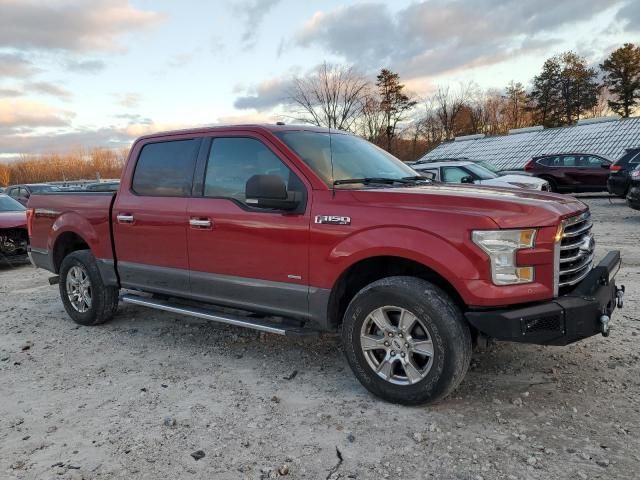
(165, 169)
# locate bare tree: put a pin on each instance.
(449, 104)
(331, 96)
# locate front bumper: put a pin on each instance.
(582, 313)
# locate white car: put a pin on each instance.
(467, 171)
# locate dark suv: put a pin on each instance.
(619, 173)
(571, 172)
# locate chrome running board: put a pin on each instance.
(260, 324)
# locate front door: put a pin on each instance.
(241, 255)
(150, 218)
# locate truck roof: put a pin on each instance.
(264, 127)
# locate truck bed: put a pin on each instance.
(69, 213)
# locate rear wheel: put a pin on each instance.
(85, 297)
(406, 340)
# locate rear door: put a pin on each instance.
(240, 255)
(150, 216)
(598, 171)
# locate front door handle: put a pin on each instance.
(200, 222)
(125, 218)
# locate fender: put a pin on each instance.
(96, 235)
(449, 258)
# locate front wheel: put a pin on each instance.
(85, 297)
(406, 340)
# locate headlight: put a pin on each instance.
(501, 246)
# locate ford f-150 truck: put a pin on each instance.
(297, 230)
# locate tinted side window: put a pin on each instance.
(14, 192)
(454, 174)
(233, 161)
(568, 161)
(165, 169)
(635, 158)
(550, 161)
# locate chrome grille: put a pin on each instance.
(576, 250)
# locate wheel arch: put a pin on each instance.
(368, 270)
(66, 243)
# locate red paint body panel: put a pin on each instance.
(430, 225)
(85, 215)
(13, 219)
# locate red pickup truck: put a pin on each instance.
(298, 230)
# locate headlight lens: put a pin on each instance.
(501, 247)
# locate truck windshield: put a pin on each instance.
(8, 204)
(353, 157)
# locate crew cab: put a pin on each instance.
(297, 230)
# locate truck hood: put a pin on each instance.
(507, 207)
(13, 219)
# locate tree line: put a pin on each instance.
(565, 90)
(79, 165)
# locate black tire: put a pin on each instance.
(104, 300)
(553, 187)
(432, 308)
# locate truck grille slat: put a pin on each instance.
(576, 250)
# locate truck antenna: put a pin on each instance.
(333, 180)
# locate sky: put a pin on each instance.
(98, 73)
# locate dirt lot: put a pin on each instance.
(137, 397)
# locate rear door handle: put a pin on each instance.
(125, 218)
(200, 222)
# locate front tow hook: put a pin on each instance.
(619, 296)
(604, 325)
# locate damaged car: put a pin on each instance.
(13, 231)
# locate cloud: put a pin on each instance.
(128, 100)
(265, 95)
(84, 66)
(438, 36)
(16, 65)
(70, 25)
(21, 113)
(629, 14)
(253, 12)
(10, 92)
(47, 88)
(249, 118)
(180, 60)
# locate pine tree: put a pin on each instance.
(622, 78)
(394, 103)
(565, 89)
(517, 101)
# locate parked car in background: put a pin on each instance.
(571, 172)
(13, 230)
(102, 187)
(467, 171)
(485, 163)
(21, 193)
(633, 194)
(619, 173)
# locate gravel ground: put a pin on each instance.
(141, 396)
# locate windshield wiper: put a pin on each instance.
(380, 180)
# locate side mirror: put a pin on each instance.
(606, 165)
(467, 179)
(269, 191)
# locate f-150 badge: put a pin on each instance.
(333, 220)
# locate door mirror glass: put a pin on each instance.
(270, 191)
(467, 179)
